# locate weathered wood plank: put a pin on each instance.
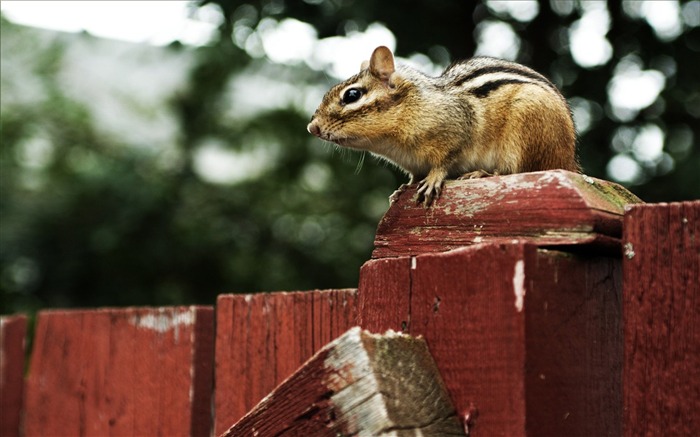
(134, 371)
(530, 339)
(359, 384)
(552, 208)
(662, 320)
(263, 338)
(390, 306)
(13, 331)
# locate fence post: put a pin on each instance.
(553, 208)
(661, 265)
(524, 322)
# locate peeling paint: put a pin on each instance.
(413, 263)
(519, 285)
(569, 232)
(357, 388)
(390, 333)
(164, 320)
(550, 176)
(342, 374)
(629, 250)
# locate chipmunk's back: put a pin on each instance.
(521, 118)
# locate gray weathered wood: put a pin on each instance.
(360, 384)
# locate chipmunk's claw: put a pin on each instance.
(428, 191)
(396, 194)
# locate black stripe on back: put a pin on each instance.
(486, 89)
(503, 69)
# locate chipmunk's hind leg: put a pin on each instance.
(478, 174)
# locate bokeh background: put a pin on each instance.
(171, 164)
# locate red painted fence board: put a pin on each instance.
(13, 330)
(263, 338)
(529, 338)
(662, 320)
(134, 371)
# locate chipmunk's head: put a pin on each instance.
(363, 112)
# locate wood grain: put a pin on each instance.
(359, 384)
(263, 338)
(573, 344)
(13, 331)
(134, 371)
(551, 208)
(389, 281)
(662, 320)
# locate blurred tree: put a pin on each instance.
(545, 44)
(100, 222)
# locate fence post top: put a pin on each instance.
(549, 208)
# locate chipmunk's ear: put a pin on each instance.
(381, 64)
(364, 65)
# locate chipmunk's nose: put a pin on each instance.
(313, 128)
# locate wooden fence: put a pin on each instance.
(552, 304)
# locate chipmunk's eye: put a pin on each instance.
(352, 95)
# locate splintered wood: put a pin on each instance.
(552, 208)
(360, 384)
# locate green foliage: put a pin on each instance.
(93, 220)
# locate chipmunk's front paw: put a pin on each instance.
(429, 189)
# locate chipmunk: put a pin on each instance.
(481, 117)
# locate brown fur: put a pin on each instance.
(481, 116)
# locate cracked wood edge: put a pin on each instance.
(360, 384)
